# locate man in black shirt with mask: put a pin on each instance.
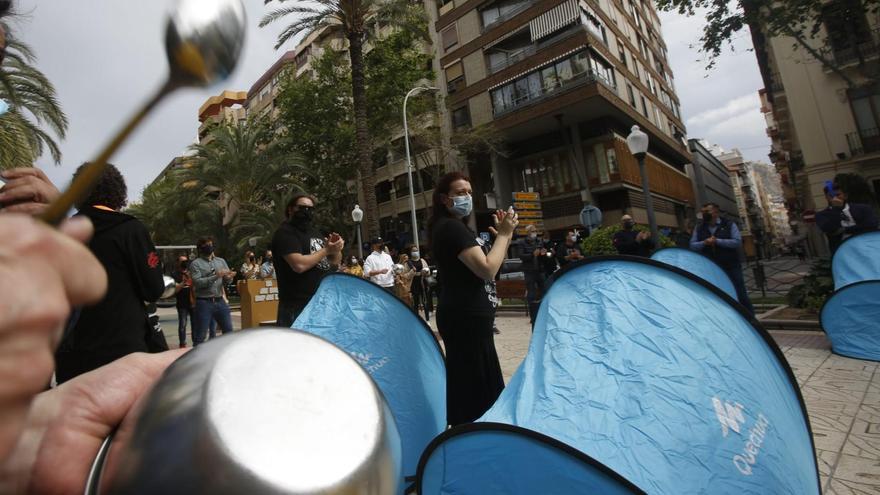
(305, 257)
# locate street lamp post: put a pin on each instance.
(409, 167)
(637, 142)
(357, 215)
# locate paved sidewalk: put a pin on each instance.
(842, 396)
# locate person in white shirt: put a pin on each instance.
(379, 267)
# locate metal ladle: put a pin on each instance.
(203, 40)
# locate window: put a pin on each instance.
(449, 37)
(632, 96)
(461, 117)
(454, 78)
(383, 191)
(548, 174)
(501, 11)
(621, 51)
(847, 28)
(645, 108)
(866, 110)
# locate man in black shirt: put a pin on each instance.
(630, 242)
(305, 257)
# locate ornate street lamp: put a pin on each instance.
(637, 142)
(357, 215)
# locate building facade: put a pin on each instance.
(825, 106)
(712, 181)
(564, 81)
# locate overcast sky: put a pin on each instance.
(106, 57)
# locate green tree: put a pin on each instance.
(33, 103)
(358, 20)
(800, 20)
(315, 117)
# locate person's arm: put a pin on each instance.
(863, 216)
(146, 267)
(486, 266)
(828, 220)
(202, 274)
(735, 240)
(695, 244)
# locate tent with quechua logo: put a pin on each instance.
(640, 377)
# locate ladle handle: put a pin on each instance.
(80, 188)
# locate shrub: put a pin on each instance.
(817, 287)
(599, 242)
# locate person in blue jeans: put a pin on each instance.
(719, 239)
(208, 274)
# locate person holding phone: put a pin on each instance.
(466, 308)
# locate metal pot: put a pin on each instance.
(263, 411)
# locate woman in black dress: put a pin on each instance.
(466, 308)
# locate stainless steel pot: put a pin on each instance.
(263, 411)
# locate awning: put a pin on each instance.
(554, 19)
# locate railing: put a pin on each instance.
(861, 50)
(863, 141)
(532, 49)
(587, 77)
(501, 18)
(775, 276)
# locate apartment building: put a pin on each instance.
(564, 81)
(825, 106)
(712, 181)
(228, 106)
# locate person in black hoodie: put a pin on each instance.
(118, 324)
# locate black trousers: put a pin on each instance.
(421, 295)
(473, 373)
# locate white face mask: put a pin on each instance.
(415, 255)
(354, 261)
(462, 205)
(533, 235)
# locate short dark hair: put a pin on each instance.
(714, 205)
(204, 240)
(296, 197)
(110, 191)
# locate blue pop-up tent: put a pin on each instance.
(857, 259)
(851, 316)
(396, 348)
(652, 375)
(696, 264)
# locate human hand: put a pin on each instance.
(506, 221)
(27, 190)
(710, 241)
(41, 286)
(66, 425)
(837, 201)
(335, 243)
(383, 271)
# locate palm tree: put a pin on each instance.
(357, 19)
(33, 103)
(242, 167)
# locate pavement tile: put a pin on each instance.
(864, 439)
(859, 470)
(826, 439)
(841, 487)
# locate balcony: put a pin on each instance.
(663, 178)
(864, 141)
(863, 49)
(547, 92)
(506, 15)
(526, 52)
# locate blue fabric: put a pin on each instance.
(698, 265)
(392, 343)
(851, 319)
(653, 375)
(510, 462)
(205, 313)
(857, 259)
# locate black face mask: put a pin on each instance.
(207, 249)
(184, 265)
(302, 215)
(708, 219)
(628, 225)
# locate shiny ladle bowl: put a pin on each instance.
(203, 41)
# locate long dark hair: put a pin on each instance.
(438, 208)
